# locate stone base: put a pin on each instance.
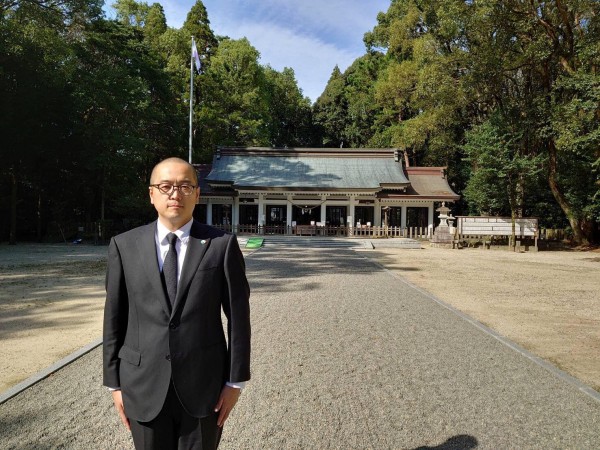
(442, 235)
(441, 244)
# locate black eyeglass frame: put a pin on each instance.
(174, 187)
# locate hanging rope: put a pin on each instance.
(303, 207)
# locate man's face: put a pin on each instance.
(175, 209)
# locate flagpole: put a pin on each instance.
(191, 98)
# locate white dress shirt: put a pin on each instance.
(162, 245)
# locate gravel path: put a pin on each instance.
(345, 357)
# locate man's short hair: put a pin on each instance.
(174, 159)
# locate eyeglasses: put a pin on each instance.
(168, 188)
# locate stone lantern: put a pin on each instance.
(444, 233)
(443, 210)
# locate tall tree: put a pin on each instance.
(362, 106)
(156, 23)
(36, 62)
(132, 13)
(233, 108)
(330, 111)
(123, 110)
(289, 112)
(421, 93)
(546, 51)
(501, 168)
(346, 111)
(451, 65)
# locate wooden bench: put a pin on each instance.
(487, 231)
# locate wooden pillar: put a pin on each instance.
(288, 220)
(430, 220)
(403, 215)
(208, 212)
(377, 219)
(261, 210)
(235, 213)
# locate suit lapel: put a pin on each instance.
(197, 246)
(146, 245)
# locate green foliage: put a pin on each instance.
(521, 72)
(130, 12)
(576, 124)
(501, 168)
(90, 105)
(505, 94)
(330, 110)
(289, 115)
(232, 110)
(346, 111)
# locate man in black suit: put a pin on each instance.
(174, 377)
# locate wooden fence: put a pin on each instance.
(422, 233)
(487, 231)
(101, 232)
(495, 226)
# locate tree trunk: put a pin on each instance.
(577, 224)
(512, 243)
(39, 217)
(12, 239)
(102, 203)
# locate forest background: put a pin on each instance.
(505, 94)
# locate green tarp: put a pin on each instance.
(254, 243)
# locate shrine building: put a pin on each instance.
(336, 190)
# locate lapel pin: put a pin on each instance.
(203, 241)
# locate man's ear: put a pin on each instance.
(150, 193)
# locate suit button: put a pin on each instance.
(172, 325)
(168, 357)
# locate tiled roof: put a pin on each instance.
(427, 183)
(311, 169)
(307, 169)
(203, 170)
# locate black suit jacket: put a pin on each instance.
(146, 343)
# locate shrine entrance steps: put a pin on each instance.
(332, 242)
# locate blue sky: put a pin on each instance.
(310, 36)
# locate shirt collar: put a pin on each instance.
(182, 233)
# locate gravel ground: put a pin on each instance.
(27, 254)
(345, 356)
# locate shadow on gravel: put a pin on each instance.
(267, 267)
(458, 442)
(12, 426)
(37, 296)
(28, 254)
(394, 262)
(69, 316)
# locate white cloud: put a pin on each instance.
(310, 36)
(344, 19)
(312, 59)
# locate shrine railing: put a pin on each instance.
(364, 231)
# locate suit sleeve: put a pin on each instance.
(116, 310)
(237, 309)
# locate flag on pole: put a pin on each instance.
(196, 56)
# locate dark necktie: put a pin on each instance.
(170, 268)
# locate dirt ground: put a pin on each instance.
(547, 302)
(52, 297)
(51, 302)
